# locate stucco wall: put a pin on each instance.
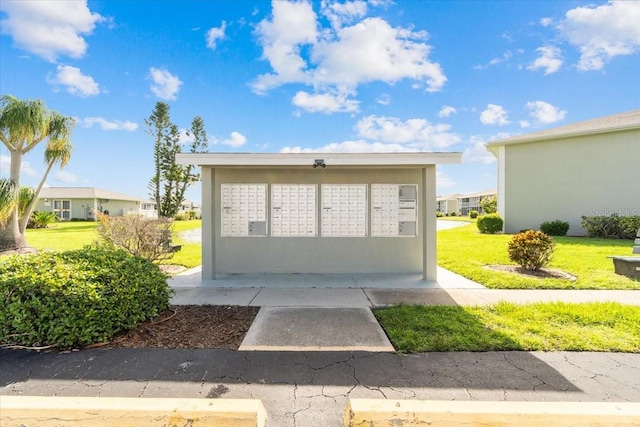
(568, 178)
(316, 254)
(78, 207)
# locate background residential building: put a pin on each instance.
(81, 203)
(588, 168)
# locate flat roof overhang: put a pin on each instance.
(342, 160)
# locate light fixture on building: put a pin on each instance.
(319, 162)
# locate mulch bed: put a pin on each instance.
(190, 326)
(543, 273)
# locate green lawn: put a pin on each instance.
(63, 236)
(465, 251)
(506, 326)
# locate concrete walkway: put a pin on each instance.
(316, 312)
(312, 388)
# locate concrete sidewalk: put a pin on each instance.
(312, 388)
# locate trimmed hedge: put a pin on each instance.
(612, 226)
(555, 228)
(77, 298)
(490, 224)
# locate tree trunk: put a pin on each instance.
(10, 237)
(22, 226)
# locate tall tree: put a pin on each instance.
(23, 125)
(158, 123)
(199, 144)
(171, 180)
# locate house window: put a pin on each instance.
(62, 208)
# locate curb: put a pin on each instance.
(380, 412)
(122, 411)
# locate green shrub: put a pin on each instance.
(531, 249)
(555, 228)
(490, 224)
(77, 298)
(611, 227)
(439, 214)
(489, 204)
(41, 219)
(453, 214)
(191, 215)
(473, 214)
(180, 217)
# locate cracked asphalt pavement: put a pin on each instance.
(312, 388)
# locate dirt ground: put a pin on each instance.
(190, 326)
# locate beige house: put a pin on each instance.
(462, 204)
(471, 202)
(80, 203)
(448, 204)
(319, 212)
(587, 168)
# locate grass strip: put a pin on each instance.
(465, 251)
(601, 326)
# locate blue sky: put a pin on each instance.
(352, 76)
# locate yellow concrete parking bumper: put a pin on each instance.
(406, 413)
(116, 411)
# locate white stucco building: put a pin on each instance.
(588, 168)
(319, 212)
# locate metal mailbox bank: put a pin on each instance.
(319, 212)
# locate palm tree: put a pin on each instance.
(23, 125)
(58, 151)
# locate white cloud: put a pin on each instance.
(372, 50)
(525, 124)
(494, 115)
(340, 58)
(384, 99)
(185, 137)
(417, 134)
(505, 57)
(447, 111)
(109, 125)
(325, 103)
(442, 180)
(236, 139)
(550, 60)
(544, 112)
(389, 135)
(293, 25)
(49, 28)
(603, 32)
(25, 167)
(66, 177)
(477, 152)
(164, 84)
(339, 14)
(545, 22)
(74, 81)
(214, 34)
(359, 146)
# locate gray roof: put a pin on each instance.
(448, 197)
(614, 123)
(84, 193)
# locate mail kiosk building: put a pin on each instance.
(318, 212)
